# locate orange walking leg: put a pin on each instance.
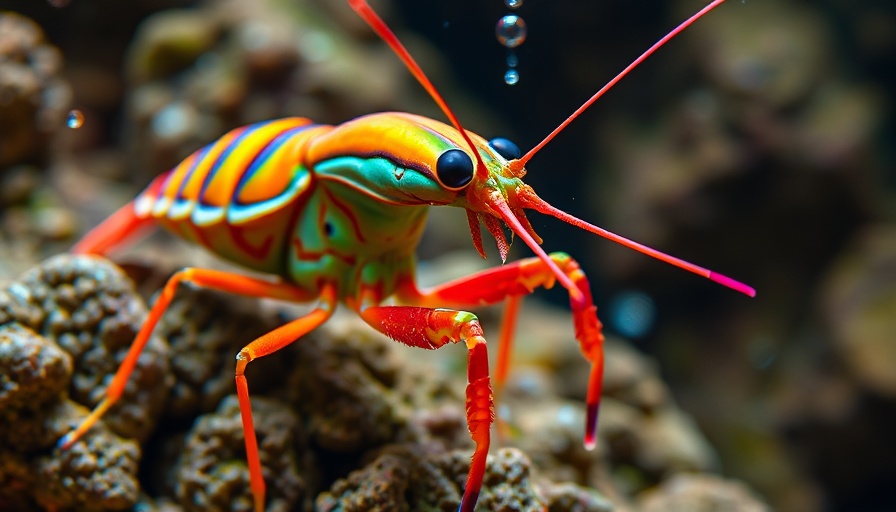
(220, 280)
(268, 344)
(119, 227)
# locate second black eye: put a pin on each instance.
(454, 168)
(505, 148)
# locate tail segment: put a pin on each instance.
(121, 226)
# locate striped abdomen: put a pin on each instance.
(238, 196)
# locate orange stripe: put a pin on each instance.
(221, 186)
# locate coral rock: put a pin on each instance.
(213, 474)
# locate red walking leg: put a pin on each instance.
(505, 342)
(430, 329)
(521, 278)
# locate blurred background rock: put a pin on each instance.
(759, 144)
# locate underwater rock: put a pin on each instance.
(701, 493)
(838, 410)
(97, 473)
(212, 473)
(744, 63)
(344, 382)
(17, 182)
(342, 407)
(198, 72)
(407, 478)
(33, 369)
(169, 41)
(643, 435)
(89, 308)
(859, 302)
(33, 96)
(507, 484)
(16, 480)
(35, 373)
(34, 99)
(49, 319)
(567, 497)
(381, 485)
(671, 442)
(205, 330)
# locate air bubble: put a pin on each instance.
(511, 31)
(512, 61)
(74, 119)
(511, 77)
(513, 4)
(632, 313)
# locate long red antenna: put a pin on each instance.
(611, 83)
(530, 200)
(379, 26)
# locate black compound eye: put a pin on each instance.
(505, 148)
(454, 168)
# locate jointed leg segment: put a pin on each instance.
(430, 329)
(268, 344)
(264, 345)
(426, 327)
(511, 282)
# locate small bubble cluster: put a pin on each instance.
(511, 32)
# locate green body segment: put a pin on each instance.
(314, 204)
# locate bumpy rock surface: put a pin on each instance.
(62, 330)
(34, 370)
(89, 308)
(205, 330)
(97, 473)
(212, 472)
(345, 385)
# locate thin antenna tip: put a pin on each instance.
(731, 283)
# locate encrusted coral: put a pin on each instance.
(205, 330)
(212, 473)
(88, 307)
(64, 327)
